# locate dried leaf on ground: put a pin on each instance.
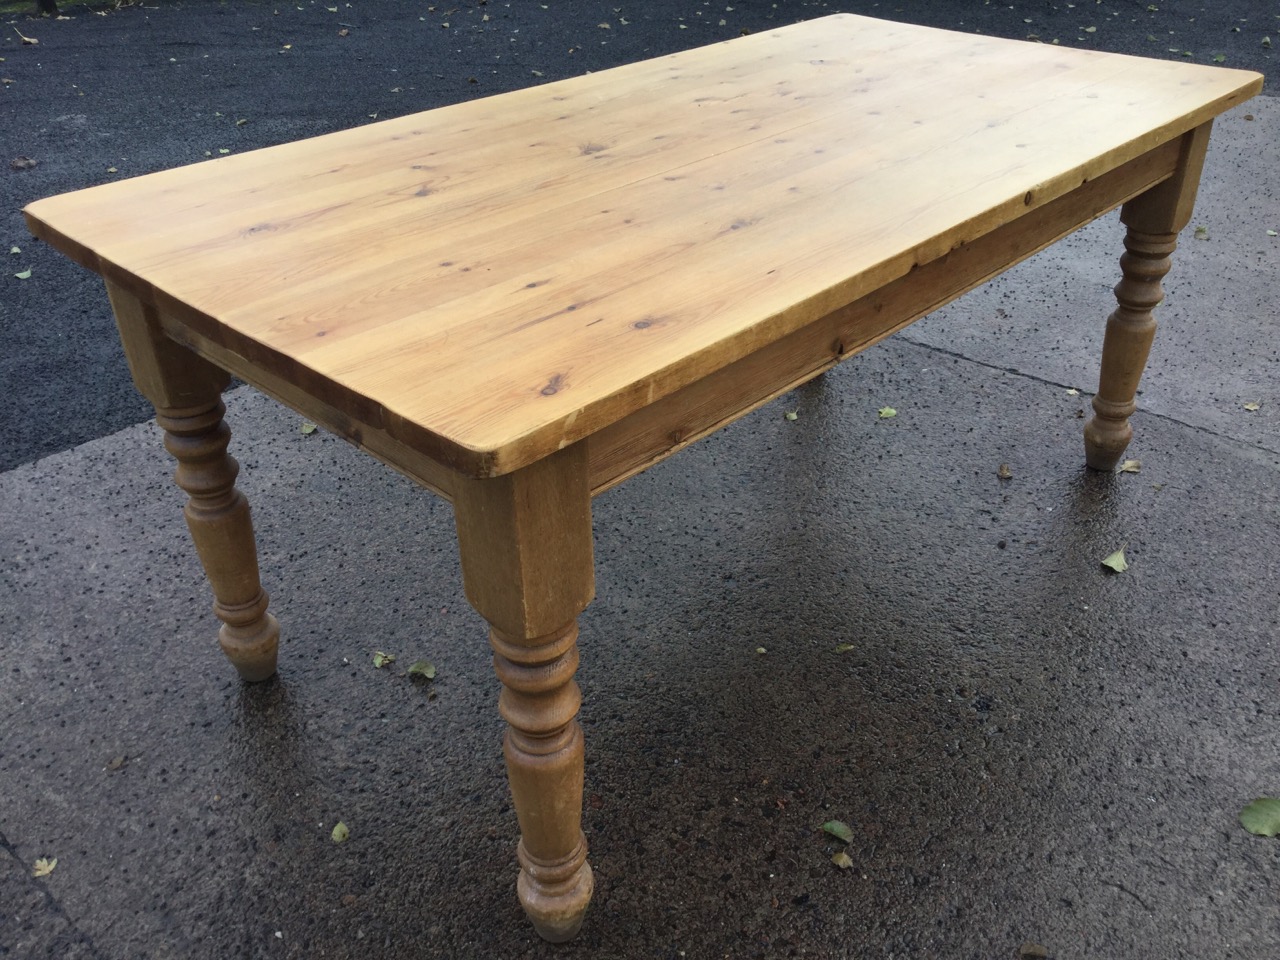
(1116, 561)
(1003, 472)
(308, 428)
(381, 659)
(1131, 466)
(340, 832)
(843, 647)
(887, 412)
(1252, 406)
(44, 866)
(1262, 817)
(791, 415)
(24, 274)
(1202, 233)
(842, 860)
(423, 668)
(838, 829)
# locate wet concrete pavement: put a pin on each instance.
(1027, 747)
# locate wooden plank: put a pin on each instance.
(661, 429)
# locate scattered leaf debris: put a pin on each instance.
(843, 647)
(1261, 818)
(24, 274)
(842, 860)
(1253, 405)
(1202, 233)
(23, 163)
(887, 412)
(44, 866)
(381, 659)
(1003, 472)
(791, 415)
(340, 832)
(1131, 466)
(32, 41)
(761, 650)
(423, 668)
(308, 428)
(1033, 951)
(838, 829)
(1116, 561)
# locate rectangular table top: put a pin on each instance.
(491, 281)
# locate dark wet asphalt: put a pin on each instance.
(1028, 748)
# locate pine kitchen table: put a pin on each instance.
(524, 300)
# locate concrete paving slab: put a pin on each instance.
(1027, 747)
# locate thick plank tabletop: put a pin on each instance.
(491, 281)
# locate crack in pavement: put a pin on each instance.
(50, 901)
(1208, 431)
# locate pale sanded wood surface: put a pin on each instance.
(490, 282)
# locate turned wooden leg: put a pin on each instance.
(187, 394)
(1130, 330)
(525, 540)
(218, 518)
(1153, 220)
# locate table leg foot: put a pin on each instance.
(525, 541)
(543, 748)
(1130, 330)
(218, 518)
(555, 907)
(1153, 220)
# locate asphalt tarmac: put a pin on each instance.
(1031, 751)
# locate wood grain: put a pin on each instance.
(487, 283)
(525, 541)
